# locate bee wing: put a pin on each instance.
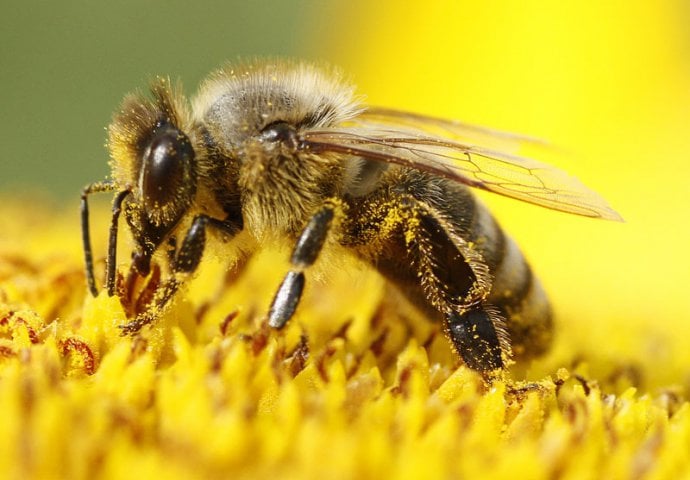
(405, 139)
(506, 142)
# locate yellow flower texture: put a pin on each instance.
(355, 387)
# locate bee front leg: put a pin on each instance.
(184, 263)
(304, 254)
(96, 187)
(111, 259)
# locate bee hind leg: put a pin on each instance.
(457, 282)
(419, 249)
(477, 339)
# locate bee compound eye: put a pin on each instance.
(166, 167)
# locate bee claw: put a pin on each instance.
(130, 328)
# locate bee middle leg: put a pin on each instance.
(304, 254)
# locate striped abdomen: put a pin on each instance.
(424, 233)
(515, 290)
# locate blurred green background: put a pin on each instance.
(65, 66)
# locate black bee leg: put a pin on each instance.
(185, 262)
(474, 335)
(111, 259)
(457, 283)
(160, 300)
(307, 249)
(190, 252)
(95, 187)
(420, 248)
(192, 248)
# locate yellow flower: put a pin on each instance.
(350, 389)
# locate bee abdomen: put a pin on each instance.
(442, 248)
(515, 290)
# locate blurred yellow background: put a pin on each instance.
(607, 81)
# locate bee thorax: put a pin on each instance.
(279, 196)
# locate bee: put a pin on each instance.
(279, 149)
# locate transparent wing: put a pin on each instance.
(433, 145)
(507, 142)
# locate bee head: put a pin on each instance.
(166, 180)
(153, 154)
